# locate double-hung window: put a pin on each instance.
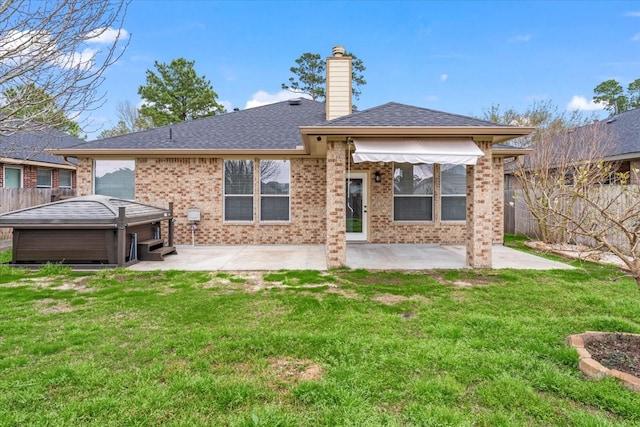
(64, 178)
(453, 188)
(43, 178)
(238, 190)
(412, 192)
(275, 179)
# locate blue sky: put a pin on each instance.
(454, 56)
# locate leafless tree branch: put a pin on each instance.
(62, 48)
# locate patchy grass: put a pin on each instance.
(485, 348)
(299, 277)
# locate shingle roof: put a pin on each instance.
(626, 132)
(273, 126)
(82, 210)
(30, 145)
(400, 115)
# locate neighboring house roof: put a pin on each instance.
(625, 128)
(400, 115)
(281, 126)
(83, 210)
(29, 146)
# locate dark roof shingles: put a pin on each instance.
(31, 145)
(274, 126)
(626, 132)
(401, 115)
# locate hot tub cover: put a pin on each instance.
(90, 210)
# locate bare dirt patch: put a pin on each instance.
(292, 370)
(52, 306)
(391, 299)
(79, 284)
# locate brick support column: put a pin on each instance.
(480, 213)
(336, 241)
(84, 177)
(498, 200)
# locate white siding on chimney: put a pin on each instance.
(338, 100)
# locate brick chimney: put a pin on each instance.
(338, 93)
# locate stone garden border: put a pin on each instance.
(592, 369)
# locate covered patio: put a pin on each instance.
(359, 255)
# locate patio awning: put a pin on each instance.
(417, 150)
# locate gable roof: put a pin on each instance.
(269, 127)
(400, 115)
(30, 145)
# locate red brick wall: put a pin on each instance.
(30, 176)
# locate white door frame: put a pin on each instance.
(362, 236)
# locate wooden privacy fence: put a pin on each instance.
(519, 220)
(12, 199)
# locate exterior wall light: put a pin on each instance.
(378, 176)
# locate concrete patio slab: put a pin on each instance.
(312, 257)
(241, 257)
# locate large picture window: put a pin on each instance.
(275, 179)
(238, 190)
(44, 178)
(412, 192)
(115, 178)
(453, 190)
(12, 177)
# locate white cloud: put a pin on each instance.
(633, 14)
(24, 47)
(444, 77)
(636, 37)
(431, 98)
(262, 97)
(228, 105)
(20, 47)
(520, 39)
(80, 60)
(106, 35)
(583, 104)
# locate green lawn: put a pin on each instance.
(349, 347)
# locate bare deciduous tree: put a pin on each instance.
(129, 120)
(577, 196)
(60, 47)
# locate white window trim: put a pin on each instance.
(70, 178)
(260, 196)
(4, 175)
(442, 196)
(50, 178)
(225, 195)
(408, 221)
(421, 221)
(93, 173)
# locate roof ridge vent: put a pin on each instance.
(295, 101)
(611, 120)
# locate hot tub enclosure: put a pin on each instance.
(89, 230)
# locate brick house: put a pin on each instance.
(305, 172)
(24, 162)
